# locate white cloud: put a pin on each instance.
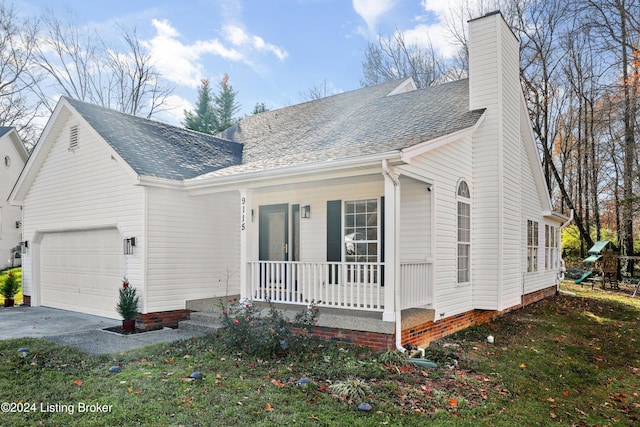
(371, 10)
(173, 110)
(177, 61)
(182, 63)
(444, 16)
(241, 39)
(434, 35)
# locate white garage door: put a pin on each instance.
(82, 270)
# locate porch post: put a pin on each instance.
(245, 237)
(391, 241)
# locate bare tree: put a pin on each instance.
(392, 58)
(616, 23)
(316, 92)
(82, 66)
(137, 84)
(17, 42)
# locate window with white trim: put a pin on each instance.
(551, 247)
(464, 233)
(532, 246)
(361, 231)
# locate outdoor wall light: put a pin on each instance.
(306, 211)
(18, 224)
(24, 246)
(129, 244)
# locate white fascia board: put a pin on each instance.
(152, 181)
(407, 154)
(16, 197)
(528, 138)
(407, 85)
(17, 143)
(556, 216)
(335, 168)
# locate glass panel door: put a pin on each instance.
(274, 232)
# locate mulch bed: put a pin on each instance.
(121, 331)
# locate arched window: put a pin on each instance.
(464, 233)
(463, 190)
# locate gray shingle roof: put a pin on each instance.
(157, 149)
(359, 122)
(4, 130)
(363, 121)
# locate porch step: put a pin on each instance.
(209, 304)
(202, 321)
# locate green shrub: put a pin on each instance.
(128, 301)
(10, 287)
(394, 358)
(249, 330)
(351, 389)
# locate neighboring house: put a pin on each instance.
(13, 156)
(404, 213)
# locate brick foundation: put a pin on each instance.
(421, 335)
(162, 319)
(373, 340)
(538, 295)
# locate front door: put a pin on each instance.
(274, 232)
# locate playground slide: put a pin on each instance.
(584, 277)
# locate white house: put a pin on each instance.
(408, 213)
(13, 156)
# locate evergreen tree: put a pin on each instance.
(204, 119)
(225, 104)
(260, 107)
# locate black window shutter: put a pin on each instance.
(334, 230)
(382, 230)
(382, 238)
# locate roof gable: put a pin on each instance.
(12, 134)
(157, 149)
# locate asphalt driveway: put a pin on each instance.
(83, 331)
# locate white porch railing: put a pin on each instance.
(350, 285)
(416, 287)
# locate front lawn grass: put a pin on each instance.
(567, 360)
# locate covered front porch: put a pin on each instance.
(361, 242)
(348, 285)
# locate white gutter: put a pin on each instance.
(204, 182)
(396, 302)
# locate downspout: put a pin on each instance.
(562, 265)
(396, 299)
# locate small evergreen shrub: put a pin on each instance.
(10, 287)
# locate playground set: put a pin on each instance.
(604, 263)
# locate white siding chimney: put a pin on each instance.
(494, 84)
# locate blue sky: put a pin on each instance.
(272, 50)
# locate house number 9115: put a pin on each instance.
(243, 213)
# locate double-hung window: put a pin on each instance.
(551, 247)
(532, 246)
(464, 233)
(361, 232)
